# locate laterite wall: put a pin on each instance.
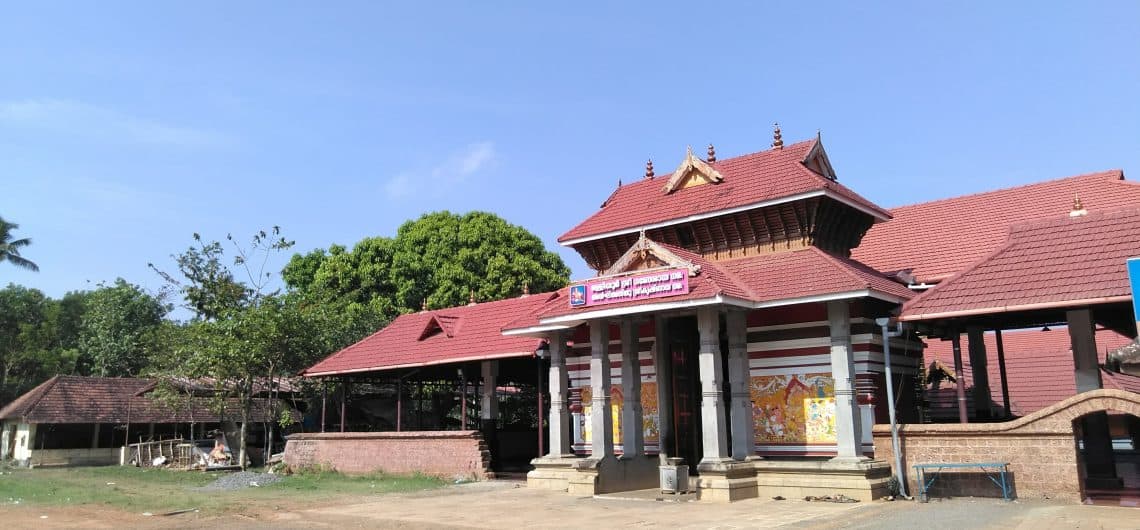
(1041, 448)
(443, 453)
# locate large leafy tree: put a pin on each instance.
(38, 337)
(10, 248)
(439, 259)
(120, 331)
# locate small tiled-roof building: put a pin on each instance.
(85, 420)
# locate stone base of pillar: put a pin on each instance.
(865, 481)
(726, 481)
(552, 472)
(612, 474)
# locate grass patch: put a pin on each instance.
(160, 490)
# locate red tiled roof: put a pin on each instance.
(937, 239)
(76, 399)
(1045, 262)
(766, 278)
(749, 179)
(469, 332)
(1039, 365)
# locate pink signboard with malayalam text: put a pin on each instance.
(646, 286)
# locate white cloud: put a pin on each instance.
(454, 169)
(102, 123)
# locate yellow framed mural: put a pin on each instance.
(794, 409)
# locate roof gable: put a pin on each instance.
(648, 254)
(692, 172)
(439, 324)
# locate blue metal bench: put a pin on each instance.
(1000, 468)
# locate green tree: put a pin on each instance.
(119, 331)
(32, 345)
(10, 248)
(440, 258)
(242, 333)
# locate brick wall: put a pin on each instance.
(444, 453)
(1041, 448)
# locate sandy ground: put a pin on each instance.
(507, 505)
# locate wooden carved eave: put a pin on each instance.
(642, 250)
(691, 168)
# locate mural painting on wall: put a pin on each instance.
(648, 405)
(794, 409)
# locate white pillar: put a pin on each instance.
(663, 372)
(559, 412)
(632, 426)
(601, 417)
(739, 379)
(848, 437)
(713, 436)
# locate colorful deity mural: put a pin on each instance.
(794, 409)
(648, 406)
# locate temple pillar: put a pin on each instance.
(979, 365)
(601, 417)
(1100, 463)
(848, 435)
(959, 379)
(559, 411)
(489, 409)
(632, 426)
(740, 412)
(714, 437)
(663, 370)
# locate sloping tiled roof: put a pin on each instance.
(1046, 262)
(766, 278)
(474, 334)
(937, 239)
(749, 179)
(1039, 365)
(77, 399)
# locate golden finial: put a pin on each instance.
(712, 153)
(777, 140)
(423, 306)
(471, 300)
(649, 169)
(1078, 208)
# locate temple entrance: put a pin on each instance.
(684, 343)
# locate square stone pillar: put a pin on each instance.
(601, 417)
(663, 372)
(489, 409)
(739, 381)
(632, 426)
(559, 411)
(848, 435)
(959, 378)
(1100, 462)
(714, 439)
(983, 397)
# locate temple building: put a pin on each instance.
(730, 327)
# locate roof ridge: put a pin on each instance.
(1107, 172)
(1095, 215)
(836, 261)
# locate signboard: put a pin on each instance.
(644, 286)
(1134, 281)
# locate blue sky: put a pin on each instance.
(125, 127)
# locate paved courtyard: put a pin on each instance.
(508, 505)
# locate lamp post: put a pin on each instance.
(540, 354)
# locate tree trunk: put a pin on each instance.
(247, 403)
